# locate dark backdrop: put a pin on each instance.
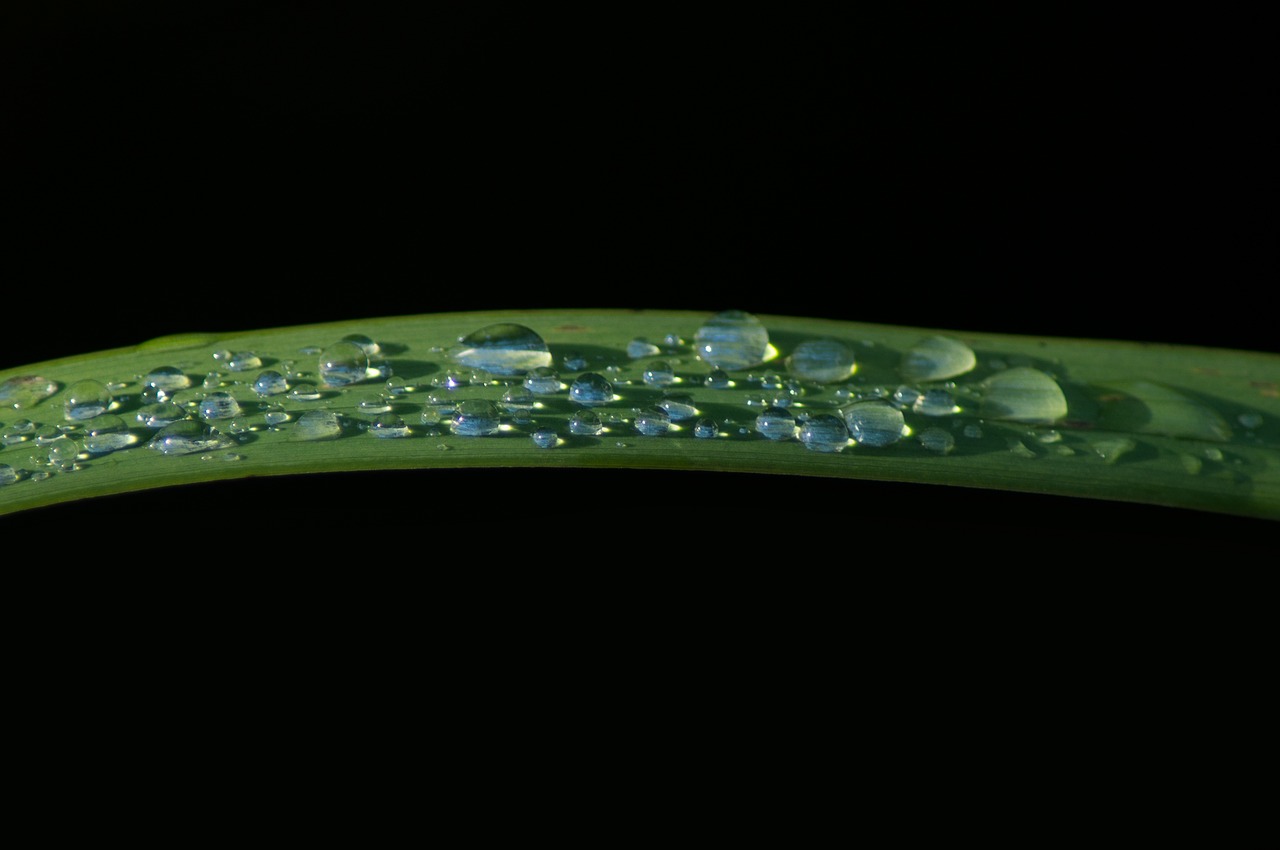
(261, 164)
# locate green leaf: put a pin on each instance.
(1165, 425)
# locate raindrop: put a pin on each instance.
(1023, 394)
(389, 426)
(63, 452)
(166, 378)
(187, 437)
(503, 349)
(718, 379)
(1111, 449)
(679, 406)
(574, 362)
(106, 433)
(212, 381)
(652, 422)
(935, 403)
(370, 348)
(375, 403)
(475, 417)
(160, 414)
(304, 392)
(732, 340)
(517, 398)
(590, 389)
(1250, 420)
(343, 363)
(776, 423)
(275, 414)
(659, 373)
(431, 414)
(824, 361)
(585, 423)
(8, 475)
(243, 361)
(973, 432)
(26, 390)
(317, 425)
(270, 382)
(219, 405)
(937, 440)
(936, 358)
(398, 386)
(545, 438)
(905, 396)
(1213, 453)
(874, 423)
(18, 432)
(87, 399)
(640, 347)
(824, 432)
(705, 428)
(542, 381)
(40, 476)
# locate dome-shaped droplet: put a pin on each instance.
(542, 381)
(389, 426)
(106, 433)
(1023, 394)
(317, 425)
(585, 423)
(824, 432)
(25, 390)
(343, 363)
(937, 440)
(219, 405)
(822, 360)
(160, 414)
(167, 378)
(186, 437)
(8, 475)
(63, 452)
(518, 398)
(371, 348)
(874, 423)
(732, 340)
(476, 417)
(935, 402)
(86, 399)
(776, 423)
(717, 379)
(243, 361)
(936, 358)
(641, 347)
(659, 373)
(591, 388)
(653, 422)
(304, 392)
(503, 349)
(545, 438)
(679, 406)
(705, 428)
(270, 382)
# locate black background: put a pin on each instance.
(251, 165)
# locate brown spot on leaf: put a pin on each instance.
(571, 328)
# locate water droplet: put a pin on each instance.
(574, 361)
(1111, 449)
(1149, 408)
(935, 403)
(679, 406)
(343, 363)
(542, 381)
(26, 390)
(1023, 394)
(874, 423)
(219, 405)
(304, 392)
(160, 414)
(591, 388)
(40, 476)
(823, 361)
(640, 347)
(270, 382)
(398, 386)
(705, 428)
(545, 438)
(212, 381)
(652, 422)
(1250, 420)
(732, 340)
(475, 417)
(222, 355)
(905, 396)
(18, 432)
(585, 423)
(243, 361)
(503, 349)
(659, 373)
(937, 357)
(1017, 448)
(432, 414)
(223, 456)
(45, 434)
(310, 350)
(389, 426)
(824, 432)
(937, 440)
(373, 403)
(1191, 463)
(166, 378)
(1213, 453)
(106, 433)
(317, 425)
(87, 399)
(973, 432)
(1050, 436)
(9, 475)
(718, 379)
(63, 452)
(1064, 451)
(370, 348)
(187, 437)
(776, 423)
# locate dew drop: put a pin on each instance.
(874, 423)
(776, 423)
(659, 373)
(26, 390)
(18, 432)
(973, 432)
(475, 417)
(219, 405)
(705, 428)
(317, 425)
(187, 437)
(304, 392)
(679, 406)
(640, 347)
(370, 348)
(517, 398)
(824, 432)
(270, 382)
(40, 476)
(1111, 449)
(1250, 420)
(389, 426)
(590, 389)
(732, 340)
(1213, 453)
(243, 361)
(503, 349)
(542, 381)
(1049, 437)
(342, 364)
(106, 433)
(373, 403)
(545, 438)
(160, 414)
(935, 403)
(574, 361)
(86, 399)
(823, 361)
(653, 422)
(8, 475)
(585, 423)
(398, 386)
(63, 452)
(166, 378)
(310, 350)
(937, 440)
(1023, 394)
(717, 379)
(212, 381)
(275, 414)
(935, 358)
(1017, 448)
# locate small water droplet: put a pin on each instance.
(517, 398)
(475, 417)
(304, 392)
(432, 414)
(45, 434)
(672, 340)
(652, 422)
(585, 423)
(317, 425)
(106, 433)
(824, 432)
(212, 381)
(717, 379)
(243, 361)
(542, 381)
(503, 349)
(705, 428)
(823, 361)
(905, 396)
(591, 388)
(640, 347)
(659, 373)
(9, 475)
(222, 355)
(389, 426)
(937, 440)
(224, 457)
(937, 357)
(310, 350)
(370, 348)
(398, 386)
(732, 340)
(166, 378)
(26, 390)
(776, 423)
(63, 452)
(18, 432)
(219, 405)
(1212, 453)
(187, 437)
(1017, 448)
(342, 364)
(679, 406)
(1023, 394)
(40, 476)
(575, 361)
(973, 432)
(160, 414)
(1111, 449)
(874, 423)
(373, 403)
(270, 382)
(1250, 420)
(545, 438)
(1191, 463)
(86, 399)
(275, 414)
(935, 403)
(1064, 451)
(1050, 436)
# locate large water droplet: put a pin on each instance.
(824, 432)
(824, 361)
(658, 374)
(371, 348)
(187, 437)
(106, 433)
(874, 423)
(219, 405)
(160, 414)
(63, 452)
(776, 423)
(586, 423)
(1023, 394)
(87, 399)
(1150, 408)
(935, 403)
(243, 361)
(26, 390)
(343, 363)
(317, 425)
(270, 382)
(732, 340)
(591, 388)
(936, 358)
(304, 392)
(542, 381)
(476, 417)
(166, 378)
(653, 422)
(679, 406)
(503, 349)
